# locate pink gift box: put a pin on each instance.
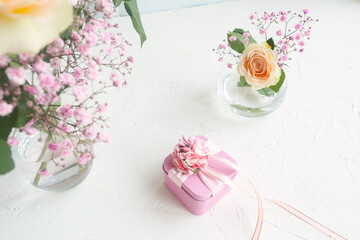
(192, 192)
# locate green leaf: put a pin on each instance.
(14, 64)
(66, 33)
(13, 57)
(239, 30)
(277, 86)
(236, 45)
(251, 39)
(6, 124)
(6, 162)
(133, 11)
(3, 76)
(266, 92)
(243, 82)
(18, 118)
(14, 61)
(242, 31)
(117, 2)
(239, 45)
(271, 43)
(77, 11)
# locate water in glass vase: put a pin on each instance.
(46, 169)
(246, 101)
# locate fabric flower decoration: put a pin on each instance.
(190, 155)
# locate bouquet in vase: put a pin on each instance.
(50, 63)
(260, 66)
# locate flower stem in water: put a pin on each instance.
(38, 175)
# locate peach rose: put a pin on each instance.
(26, 26)
(258, 64)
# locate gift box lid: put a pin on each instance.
(193, 185)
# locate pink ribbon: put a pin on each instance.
(211, 178)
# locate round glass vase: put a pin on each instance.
(45, 169)
(246, 101)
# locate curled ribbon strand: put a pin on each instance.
(293, 211)
(307, 219)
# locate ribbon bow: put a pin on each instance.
(191, 156)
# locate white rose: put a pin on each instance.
(26, 26)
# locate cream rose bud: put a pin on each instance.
(26, 26)
(258, 64)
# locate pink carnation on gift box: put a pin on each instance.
(190, 155)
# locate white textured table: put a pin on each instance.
(307, 153)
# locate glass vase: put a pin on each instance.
(46, 169)
(246, 101)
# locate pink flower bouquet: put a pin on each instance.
(50, 83)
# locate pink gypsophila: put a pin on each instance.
(115, 78)
(54, 147)
(92, 73)
(131, 59)
(49, 83)
(102, 108)
(232, 38)
(25, 58)
(56, 47)
(75, 37)
(82, 116)
(84, 158)
(4, 61)
(80, 93)
(66, 111)
(16, 75)
(12, 141)
(44, 172)
(64, 127)
(90, 131)
(78, 73)
(29, 127)
(67, 79)
(103, 137)
(5, 108)
(66, 148)
(40, 66)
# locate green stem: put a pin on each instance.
(43, 164)
(42, 154)
(38, 175)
